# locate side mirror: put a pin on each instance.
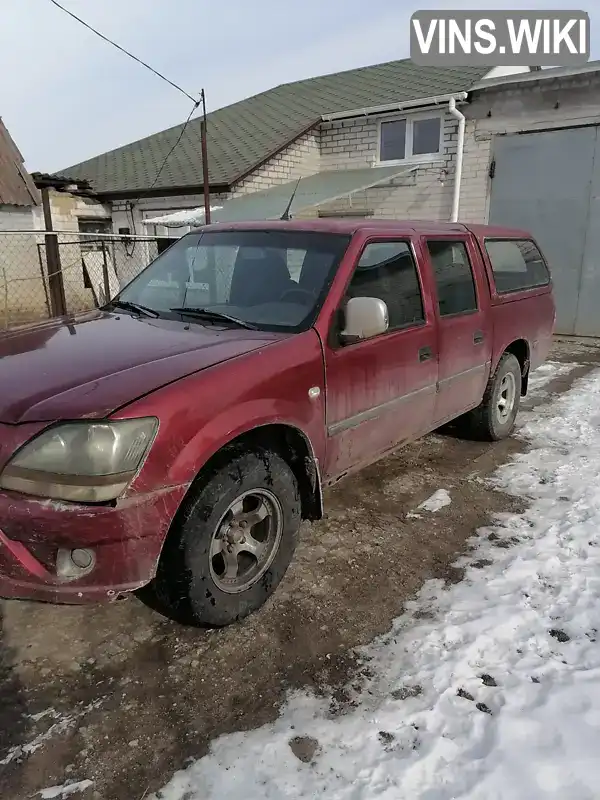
(365, 317)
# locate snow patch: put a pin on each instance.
(436, 502)
(546, 373)
(66, 790)
(494, 692)
(61, 724)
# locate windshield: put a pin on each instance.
(268, 279)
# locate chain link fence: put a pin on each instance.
(45, 274)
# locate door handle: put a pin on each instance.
(478, 337)
(425, 354)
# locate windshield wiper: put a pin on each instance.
(206, 313)
(125, 304)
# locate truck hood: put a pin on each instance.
(92, 364)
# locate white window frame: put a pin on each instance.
(426, 158)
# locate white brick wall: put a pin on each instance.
(299, 160)
(474, 193)
(425, 194)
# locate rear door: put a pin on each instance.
(381, 391)
(464, 331)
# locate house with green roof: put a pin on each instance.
(380, 140)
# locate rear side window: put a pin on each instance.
(517, 264)
(453, 277)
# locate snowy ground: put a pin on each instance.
(487, 690)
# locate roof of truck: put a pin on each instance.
(353, 225)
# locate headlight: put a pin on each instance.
(81, 462)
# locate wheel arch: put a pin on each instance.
(520, 349)
(290, 443)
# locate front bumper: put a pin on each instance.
(126, 541)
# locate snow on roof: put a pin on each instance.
(189, 216)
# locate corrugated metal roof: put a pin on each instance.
(244, 135)
(310, 192)
(16, 186)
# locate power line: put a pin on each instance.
(179, 138)
(127, 53)
(195, 101)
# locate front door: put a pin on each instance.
(464, 334)
(381, 391)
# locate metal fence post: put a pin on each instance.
(5, 280)
(41, 261)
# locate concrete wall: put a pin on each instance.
(22, 294)
(67, 209)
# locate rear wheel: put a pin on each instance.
(495, 418)
(234, 542)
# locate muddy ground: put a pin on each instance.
(123, 697)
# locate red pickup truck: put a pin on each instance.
(179, 435)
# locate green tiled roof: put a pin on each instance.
(244, 135)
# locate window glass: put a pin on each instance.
(393, 140)
(403, 138)
(91, 226)
(453, 277)
(387, 270)
(516, 264)
(426, 136)
(269, 279)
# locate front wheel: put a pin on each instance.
(495, 418)
(234, 542)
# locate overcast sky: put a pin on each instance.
(65, 95)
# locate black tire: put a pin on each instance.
(486, 422)
(186, 584)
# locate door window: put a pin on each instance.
(453, 276)
(387, 270)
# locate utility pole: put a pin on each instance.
(205, 161)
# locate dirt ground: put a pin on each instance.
(123, 697)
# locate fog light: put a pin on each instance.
(73, 564)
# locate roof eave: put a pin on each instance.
(44, 180)
(421, 102)
(172, 191)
